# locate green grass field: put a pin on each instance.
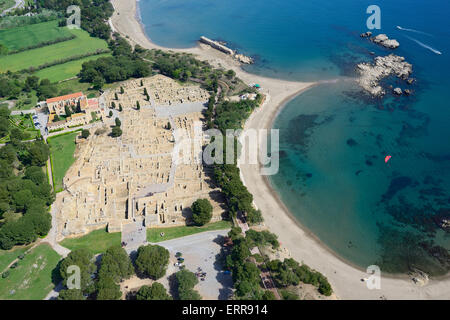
(66, 70)
(62, 148)
(82, 44)
(153, 234)
(26, 36)
(8, 256)
(32, 278)
(96, 241)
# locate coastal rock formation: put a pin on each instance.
(384, 41)
(398, 91)
(381, 39)
(372, 73)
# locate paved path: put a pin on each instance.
(19, 4)
(134, 235)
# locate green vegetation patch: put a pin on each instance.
(8, 256)
(66, 70)
(82, 44)
(62, 148)
(153, 234)
(6, 4)
(31, 279)
(33, 35)
(95, 242)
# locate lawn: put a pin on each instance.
(32, 278)
(82, 44)
(34, 34)
(62, 148)
(96, 241)
(153, 234)
(8, 256)
(66, 70)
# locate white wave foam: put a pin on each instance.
(413, 30)
(424, 45)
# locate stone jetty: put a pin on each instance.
(218, 46)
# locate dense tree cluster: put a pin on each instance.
(123, 65)
(11, 86)
(24, 193)
(154, 292)
(185, 283)
(152, 261)
(201, 211)
(83, 259)
(290, 272)
(245, 273)
(95, 13)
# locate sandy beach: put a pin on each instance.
(302, 246)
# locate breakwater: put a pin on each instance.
(218, 46)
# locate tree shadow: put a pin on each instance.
(222, 277)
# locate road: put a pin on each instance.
(19, 4)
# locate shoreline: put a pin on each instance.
(302, 244)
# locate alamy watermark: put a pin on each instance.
(74, 278)
(250, 146)
(374, 20)
(74, 20)
(374, 280)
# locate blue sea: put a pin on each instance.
(334, 138)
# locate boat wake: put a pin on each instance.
(413, 30)
(424, 45)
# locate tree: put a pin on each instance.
(85, 133)
(120, 107)
(110, 113)
(154, 292)
(142, 83)
(138, 105)
(116, 132)
(115, 96)
(38, 153)
(116, 264)
(83, 259)
(67, 111)
(108, 289)
(152, 261)
(118, 122)
(202, 211)
(230, 74)
(113, 105)
(268, 295)
(186, 281)
(121, 90)
(254, 216)
(98, 82)
(71, 294)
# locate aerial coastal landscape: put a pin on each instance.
(111, 111)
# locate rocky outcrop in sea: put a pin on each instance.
(382, 40)
(372, 73)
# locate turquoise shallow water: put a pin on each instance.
(333, 138)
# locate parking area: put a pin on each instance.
(200, 253)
